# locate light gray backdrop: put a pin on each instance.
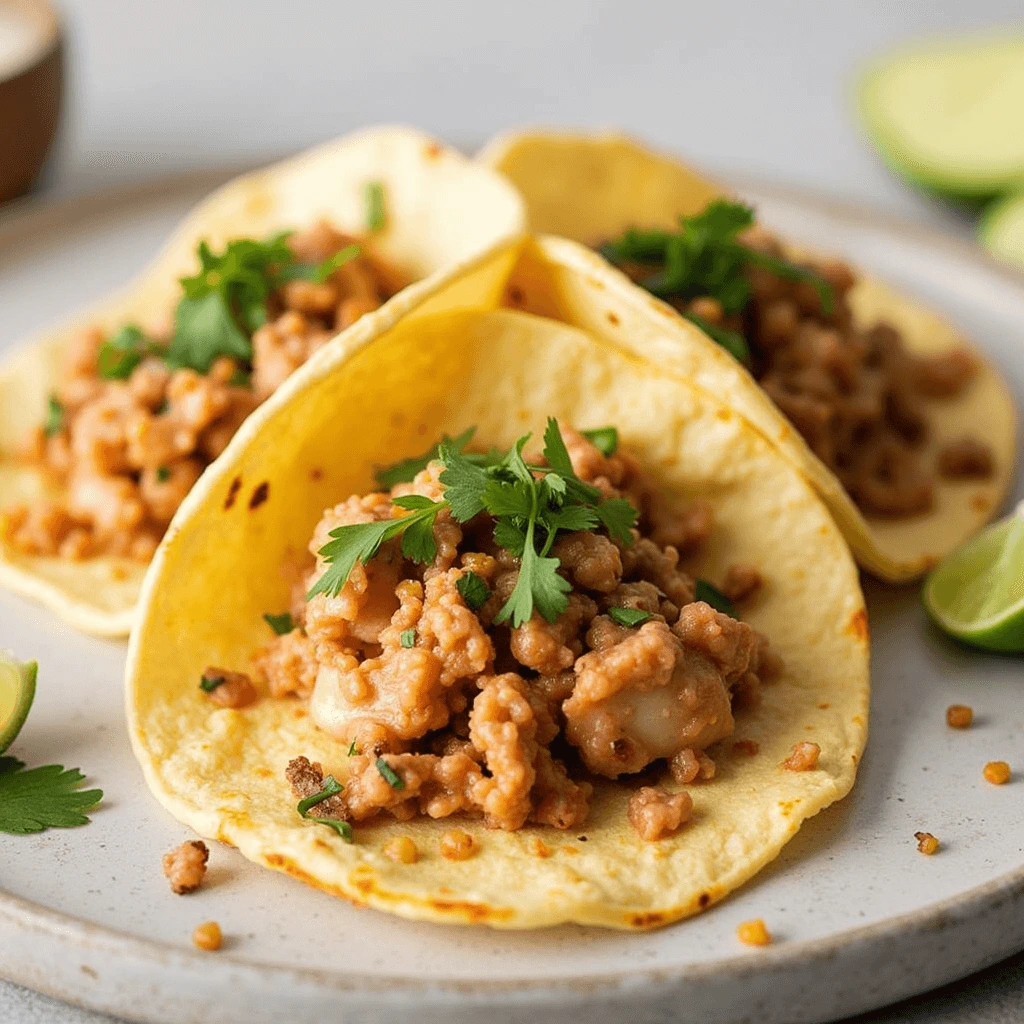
(748, 86)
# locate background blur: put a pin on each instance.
(743, 85)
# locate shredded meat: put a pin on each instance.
(551, 647)
(655, 813)
(185, 867)
(591, 560)
(804, 757)
(741, 582)
(966, 459)
(126, 452)
(288, 664)
(236, 690)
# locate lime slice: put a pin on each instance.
(947, 114)
(1002, 229)
(977, 593)
(17, 688)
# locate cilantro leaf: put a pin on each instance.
(407, 638)
(42, 798)
(510, 536)
(571, 518)
(122, 352)
(203, 330)
(210, 683)
(711, 595)
(55, 420)
(474, 590)
(618, 517)
(391, 777)
(629, 616)
(405, 471)
(373, 198)
(556, 455)
(465, 482)
(332, 263)
(732, 341)
(331, 788)
(281, 624)
(794, 272)
(538, 586)
(604, 439)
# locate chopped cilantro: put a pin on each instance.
(732, 341)
(705, 258)
(163, 474)
(628, 616)
(210, 683)
(391, 777)
(241, 378)
(604, 439)
(281, 624)
(529, 504)
(332, 263)
(54, 422)
(711, 595)
(352, 749)
(405, 471)
(373, 198)
(407, 638)
(473, 589)
(42, 798)
(331, 788)
(122, 352)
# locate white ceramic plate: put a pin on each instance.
(861, 918)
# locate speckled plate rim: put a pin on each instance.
(986, 921)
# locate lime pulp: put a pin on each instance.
(17, 689)
(977, 593)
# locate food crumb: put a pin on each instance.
(402, 850)
(457, 845)
(926, 843)
(227, 689)
(747, 747)
(185, 866)
(208, 936)
(539, 848)
(959, 716)
(754, 933)
(997, 772)
(804, 757)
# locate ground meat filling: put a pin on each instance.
(439, 710)
(860, 399)
(123, 453)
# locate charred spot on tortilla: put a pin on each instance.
(232, 495)
(259, 495)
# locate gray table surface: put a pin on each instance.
(757, 87)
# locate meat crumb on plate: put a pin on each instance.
(926, 843)
(185, 866)
(754, 933)
(208, 937)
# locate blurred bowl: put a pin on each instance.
(31, 78)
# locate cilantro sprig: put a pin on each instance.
(40, 798)
(530, 504)
(710, 594)
(331, 788)
(55, 419)
(705, 258)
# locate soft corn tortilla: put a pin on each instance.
(385, 390)
(441, 208)
(591, 188)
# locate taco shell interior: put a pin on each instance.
(441, 208)
(591, 188)
(386, 389)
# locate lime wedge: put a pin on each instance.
(977, 593)
(17, 688)
(947, 113)
(1002, 229)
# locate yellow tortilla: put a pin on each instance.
(590, 188)
(388, 387)
(441, 208)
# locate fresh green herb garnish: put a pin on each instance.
(373, 197)
(474, 590)
(226, 301)
(604, 439)
(210, 683)
(628, 616)
(704, 258)
(407, 638)
(122, 352)
(711, 595)
(405, 471)
(281, 624)
(391, 777)
(241, 378)
(332, 263)
(163, 474)
(331, 788)
(530, 504)
(41, 798)
(732, 341)
(352, 750)
(54, 422)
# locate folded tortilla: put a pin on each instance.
(441, 209)
(592, 187)
(434, 361)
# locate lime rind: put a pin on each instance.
(1001, 229)
(977, 593)
(19, 679)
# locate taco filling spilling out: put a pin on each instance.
(494, 632)
(138, 415)
(860, 399)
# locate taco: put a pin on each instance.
(901, 425)
(109, 420)
(523, 628)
